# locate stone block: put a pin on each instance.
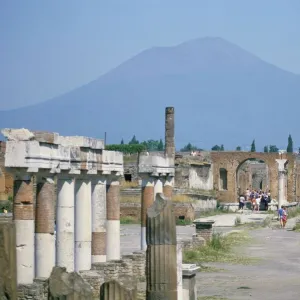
(115, 290)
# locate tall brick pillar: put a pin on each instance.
(147, 201)
(113, 250)
(23, 215)
(65, 222)
(170, 132)
(83, 224)
(44, 227)
(99, 220)
(168, 187)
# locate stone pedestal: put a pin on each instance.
(113, 250)
(204, 229)
(23, 214)
(161, 261)
(189, 272)
(44, 227)
(99, 220)
(147, 201)
(83, 224)
(65, 223)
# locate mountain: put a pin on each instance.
(222, 94)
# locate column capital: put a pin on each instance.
(281, 164)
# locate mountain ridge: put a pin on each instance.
(208, 77)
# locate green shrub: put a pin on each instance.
(126, 148)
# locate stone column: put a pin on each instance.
(113, 250)
(99, 220)
(170, 132)
(65, 222)
(147, 201)
(161, 261)
(23, 215)
(83, 224)
(168, 187)
(158, 187)
(179, 271)
(281, 181)
(44, 227)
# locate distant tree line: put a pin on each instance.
(134, 146)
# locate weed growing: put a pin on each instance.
(220, 249)
(128, 220)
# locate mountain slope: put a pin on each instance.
(221, 93)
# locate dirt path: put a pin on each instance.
(274, 277)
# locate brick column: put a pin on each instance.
(147, 201)
(168, 186)
(113, 250)
(23, 215)
(44, 227)
(65, 222)
(83, 224)
(99, 220)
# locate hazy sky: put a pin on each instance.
(48, 47)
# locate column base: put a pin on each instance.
(25, 251)
(113, 239)
(44, 254)
(98, 258)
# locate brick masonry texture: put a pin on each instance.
(113, 202)
(98, 243)
(168, 191)
(44, 221)
(147, 200)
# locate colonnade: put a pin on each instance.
(87, 223)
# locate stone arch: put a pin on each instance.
(232, 160)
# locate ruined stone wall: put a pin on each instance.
(232, 160)
(6, 179)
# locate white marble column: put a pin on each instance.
(179, 271)
(23, 215)
(158, 187)
(99, 220)
(281, 181)
(83, 224)
(65, 222)
(113, 249)
(44, 227)
(147, 201)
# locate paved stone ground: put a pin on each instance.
(275, 276)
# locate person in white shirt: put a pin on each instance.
(241, 202)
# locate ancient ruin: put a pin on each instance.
(161, 264)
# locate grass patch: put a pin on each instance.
(297, 227)
(210, 269)
(181, 198)
(130, 199)
(293, 212)
(213, 212)
(128, 220)
(180, 222)
(220, 249)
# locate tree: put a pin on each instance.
(133, 141)
(273, 149)
(160, 146)
(253, 146)
(222, 148)
(266, 149)
(216, 148)
(290, 145)
(189, 147)
(122, 142)
(238, 148)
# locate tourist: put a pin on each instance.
(257, 201)
(280, 215)
(247, 195)
(241, 202)
(284, 216)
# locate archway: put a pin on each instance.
(252, 174)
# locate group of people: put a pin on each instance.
(256, 198)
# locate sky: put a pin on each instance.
(50, 47)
